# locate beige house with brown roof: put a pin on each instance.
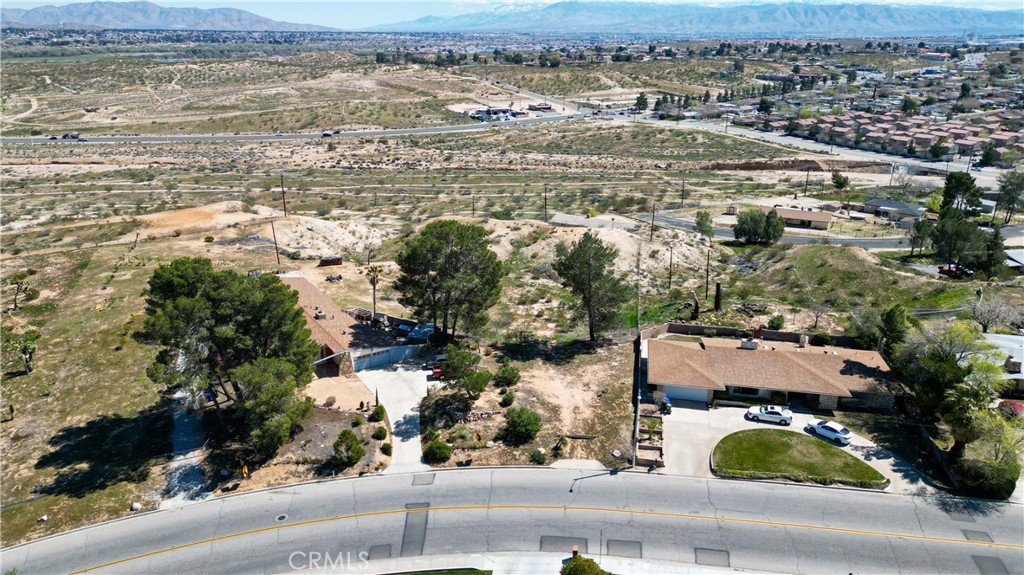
(693, 371)
(815, 220)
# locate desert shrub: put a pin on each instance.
(437, 451)
(331, 400)
(508, 399)
(208, 239)
(988, 479)
(357, 421)
(521, 426)
(506, 376)
(347, 451)
(380, 433)
(776, 322)
(538, 457)
(377, 414)
(581, 565)
(822, 338)
(385, 448)
(430, 434)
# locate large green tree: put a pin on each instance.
(585, 268)
(1011, 194)
(920, 235)
(961, 192)
(271, 404)
(934, 360)
(956, 239)
(755, 227)
(211, 324)
(704, 225)
(449, 275)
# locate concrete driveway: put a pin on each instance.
(691, 432)
(400, 388)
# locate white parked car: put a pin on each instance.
(829, 430)
(773, 413)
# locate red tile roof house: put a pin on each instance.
(899, 143)
(875, 140)
(1002, 139)
(826, 376)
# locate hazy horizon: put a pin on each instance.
(358, 15)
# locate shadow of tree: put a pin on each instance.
(957, 505)
(900, 438)
(108, 450)
(406, 428)
(528, 347)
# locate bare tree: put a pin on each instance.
(992, 311)
(818, 310)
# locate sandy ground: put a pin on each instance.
(686, 248)
(347, 392)
(318, 238)
(193, 220)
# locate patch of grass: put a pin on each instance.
(779, 454)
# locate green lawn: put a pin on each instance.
(780, 454)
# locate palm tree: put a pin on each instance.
(373, 274)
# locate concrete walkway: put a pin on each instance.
(692, 431)
(401, 387)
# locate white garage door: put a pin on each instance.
(686, 393)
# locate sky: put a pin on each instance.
(354, 15)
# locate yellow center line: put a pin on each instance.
(668, 514)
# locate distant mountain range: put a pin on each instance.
(793, 20)
(144, 16)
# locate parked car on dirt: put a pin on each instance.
(773, 413)
(829, 430)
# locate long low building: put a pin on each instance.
(814, 219)
(813, 375)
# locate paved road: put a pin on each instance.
(156, 139)
(726, 234)
(866, 243)
(747, 525)
(988, 177)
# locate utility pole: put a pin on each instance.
(682, 193)
(653, 208)
(707, 276)
(892, 172)
(636, 362)
(284, 203)
(545, 202)
(474, 206)
(807, 180)
(276, 251)
(670, 267)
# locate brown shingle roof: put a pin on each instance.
(334, 327)
(808, 370)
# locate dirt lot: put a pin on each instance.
(577, 389)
